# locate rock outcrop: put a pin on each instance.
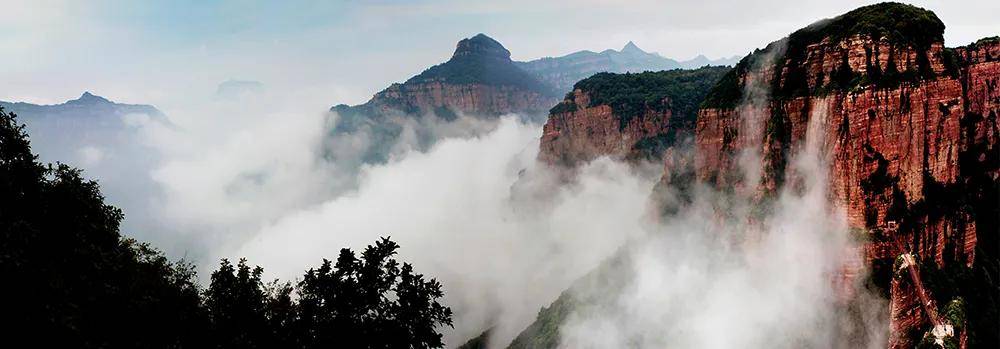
(626, 116)
(908, 127)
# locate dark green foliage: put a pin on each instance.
(987, 40)
(903, 25)
(630, 94)
(567, 105)
(594, 292)
(984, 41)
(951, 62)
(366, 302)
(544, 332)
(78, 283)
(246, 313)
(778, 134)
(370, 302)
(469, 70)
(728, 91)
(900, 23)
(481, 341)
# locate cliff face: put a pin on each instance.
(470, 98)
(895, 154)
(587, 132)
(626, 116)
(908, 128)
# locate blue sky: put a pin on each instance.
(165, 52)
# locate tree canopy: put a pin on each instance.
(80, 284)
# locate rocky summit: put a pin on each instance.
(479, 80)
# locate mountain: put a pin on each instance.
(562, 72)
(88, 106)
(480, 79)
(626, 115)
(83, 131)
(909, 128)
(701, 61)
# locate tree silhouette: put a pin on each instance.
(77, 282)
(370, 302)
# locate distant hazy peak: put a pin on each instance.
(630, 47)
(89, 98)
(481, 46)
(88, 105)
(234, 89)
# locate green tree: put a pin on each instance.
(370, 302)
(236, 304)
(78, 283)
(75, 281)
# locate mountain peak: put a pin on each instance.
(89, 98)
(630, 47)
(481, 46)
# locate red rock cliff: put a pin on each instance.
(586, 132)
(626, 116)
(469, 98)
(913, 157)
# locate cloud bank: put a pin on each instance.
(457, 212)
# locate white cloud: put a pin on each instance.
(459, 214)
(90, 156)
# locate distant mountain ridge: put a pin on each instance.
(88, 105)
(481, 79)
(564, 71)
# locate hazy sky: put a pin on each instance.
(165, 52)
